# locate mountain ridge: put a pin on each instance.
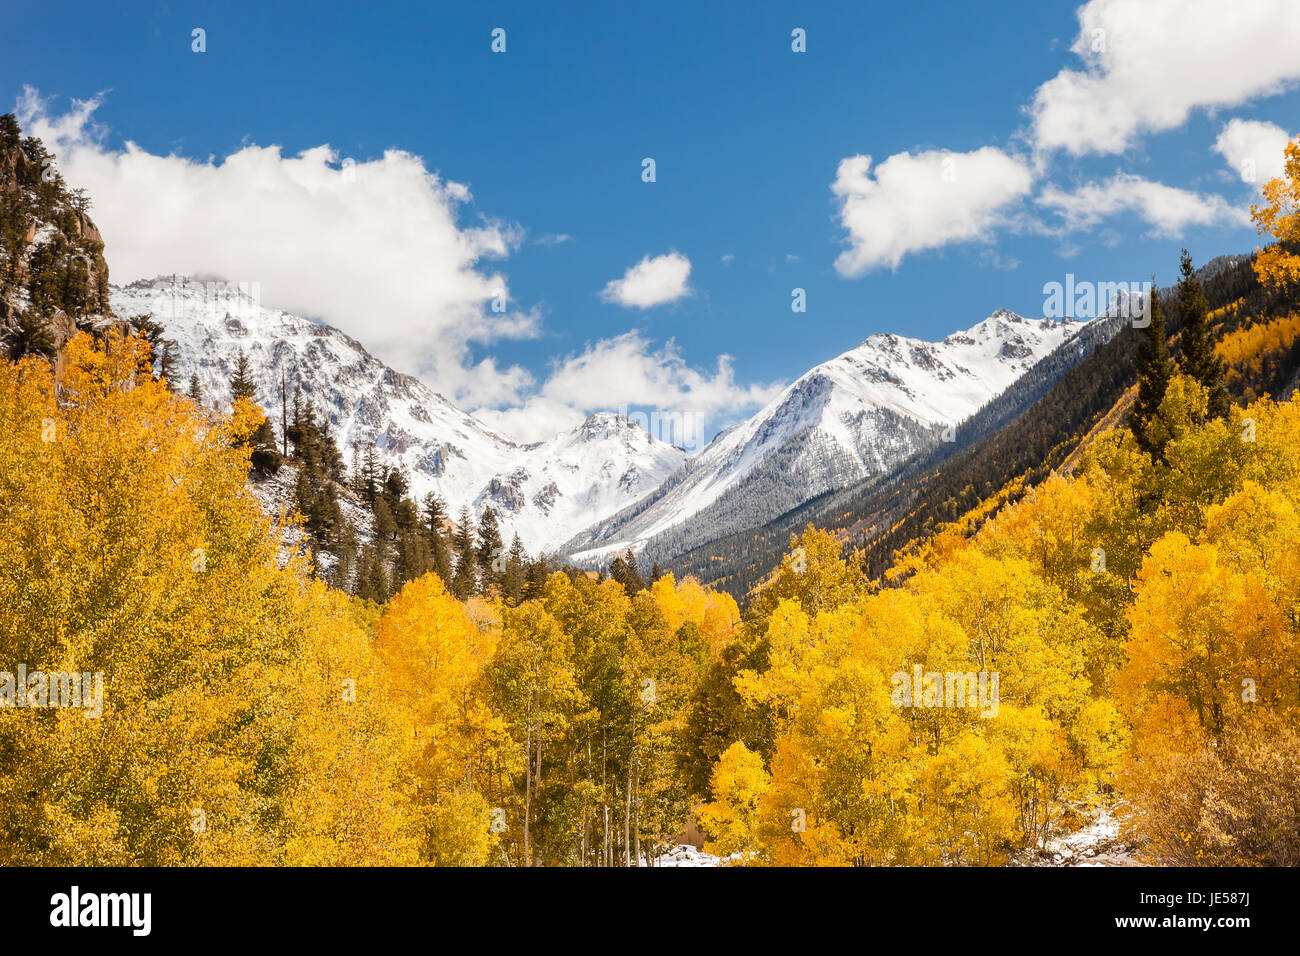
(862, 412)
(542, 490)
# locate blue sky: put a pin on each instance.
(748, 138)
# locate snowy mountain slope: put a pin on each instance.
(857, 415)
(544, 491)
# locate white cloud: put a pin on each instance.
(920, 202)
(628, 371)
(376, 248)
(1149, 63)
(1168, 211)
(1254, 150)
(651, 282)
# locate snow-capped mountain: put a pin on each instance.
(544, 491)
(859, 414)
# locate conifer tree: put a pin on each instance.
(539, 570)
(394, 487)
(435, 515)
(1154, 368)
(302, 492)
(490, 549)
(241, 382)
(512, 584)
(355, 480)
(373, 583)
(167, 365)
(195, 392)
(1200, 361)
(284, 416)
(34, 335)
(623, 569)
(266, 456)
(464, 581)
(370, 476)
(413, 558)
(385, 526)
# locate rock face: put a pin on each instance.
(53, 277)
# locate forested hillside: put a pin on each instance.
(992, 456)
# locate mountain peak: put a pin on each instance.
(544, 491)
(599, 425)
(862, 413)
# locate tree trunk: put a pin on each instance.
(528, 784)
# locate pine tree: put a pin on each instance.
(385, 525)
(241, 383)
(266, 456)
(512, 584)
(435, 515)
(624, 570)
(167, 366)
(284, 416)
(34, 334)
(370, 476)
(196, 390)
(539, 570)
(1154, 368)
(394, 486)
(372, 577)
(464, 581)
(304, 434)
(331, 459)
(490, 549)
(302, 492)
(1200, 361)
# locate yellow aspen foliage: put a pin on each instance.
(435, 653)
(969, 813)
(714, 613)
(1246, 349)
(814, 574)
(1279, 217)
(131, 552)
(1199, 628)
(1129, 630)
(354, 746)
(731, 820)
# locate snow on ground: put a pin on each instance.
(1099, 843)
(683, 854)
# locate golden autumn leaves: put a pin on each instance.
(1125, 680)
(225, 739)
(1279, 217)
(254, 716)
